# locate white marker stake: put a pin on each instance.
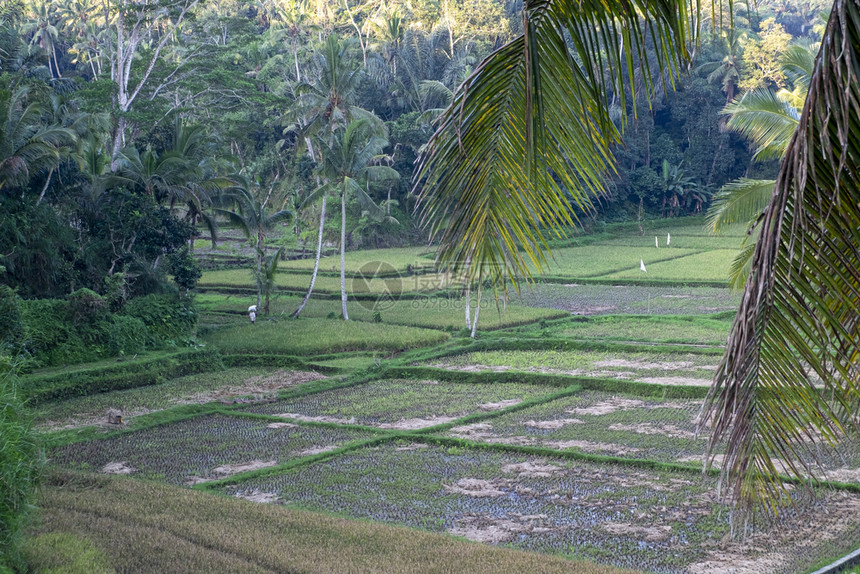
(642, 265)
(656, 243)
(668, 239)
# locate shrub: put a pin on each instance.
(11, 324)
(170, 319)
(125, 335)
(21, 461)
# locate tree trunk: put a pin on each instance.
(316, 262)
(477, 311)
(468, 305)
(260, 278)
(343, 251)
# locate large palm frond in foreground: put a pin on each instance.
(529, 131)
(800, 310)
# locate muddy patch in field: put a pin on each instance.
(648, 533)
(118, 468)
(257, 496)
(281, 426)
(475, 431)
(416, 423)
(843, 475)
(318, 450)
(608, 406)
(677, 381)
(412, 446)
(829, 519)
(588, 446)
(495, 530)
(499, 405)
(259, 387)
(231, 469)
(535, 469)
(643, 365)
(589, 309)
(319, 419)
(475, 487)
(668, 430)
(552, 424)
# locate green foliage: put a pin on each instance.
(11, 324)
(184, 268)
(21, 461)
(170, 319)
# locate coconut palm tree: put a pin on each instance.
(252, 215)
(723, 69)
(323, 108)
(27, 145)
(348, 163)
(800, 309)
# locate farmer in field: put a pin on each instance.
(252, 313)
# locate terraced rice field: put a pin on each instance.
(658, 521)
(403, 404)
(600, 423)
(648, 367)
(204, 448)
(224, 386)
(595, 462)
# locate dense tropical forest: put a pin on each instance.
(126, 126)
(134, 136)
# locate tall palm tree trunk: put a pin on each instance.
(316, 261)
(343, 251)
(477, 312)
(259, 267)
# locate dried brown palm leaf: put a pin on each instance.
(789, 376)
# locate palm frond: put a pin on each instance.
(530, 130)
(800, 310)
(763, 117)
(739, 270)
(738, 201)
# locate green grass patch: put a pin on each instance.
(709, 266)
(445, 313)
(601, 260)
(329, 284)
(357, 363)
(320, 336)
(150, 527)
(402, 404)
(369, 261)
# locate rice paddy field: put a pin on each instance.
(564, 438)
(648, 367)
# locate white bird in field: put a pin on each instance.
(642, 265)
(668, 239)
(656, 243)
